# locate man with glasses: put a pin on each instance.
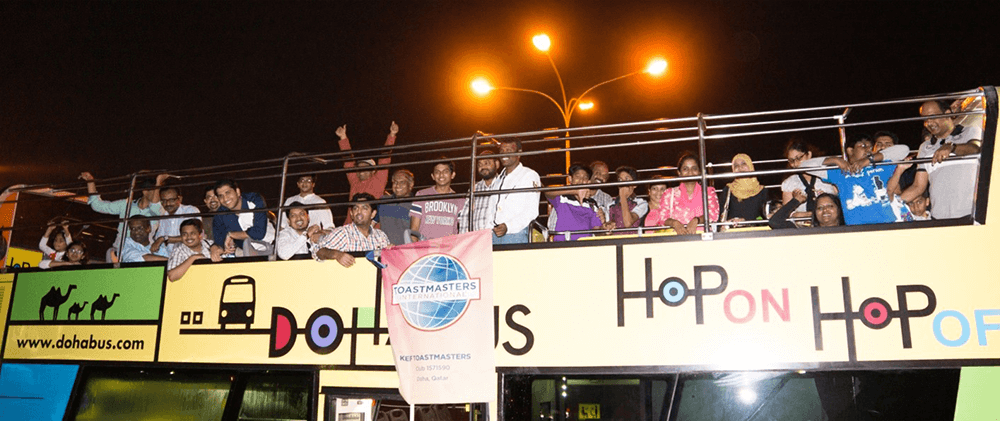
(952, 184)
(317, 216)
(138, 247)
(170, 200)
(864, 190)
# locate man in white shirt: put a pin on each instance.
(170, 200)
(138, 247)
(318, 216)
(514, 211)
(294, 239)
(952, 184)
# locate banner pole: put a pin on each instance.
(413, 412)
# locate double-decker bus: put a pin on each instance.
(884, 321)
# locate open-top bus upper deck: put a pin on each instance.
(730, 324)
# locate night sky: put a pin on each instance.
(112, 88)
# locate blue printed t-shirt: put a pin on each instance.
(863, 196)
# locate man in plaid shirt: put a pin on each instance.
(359, 235)
(485, 206)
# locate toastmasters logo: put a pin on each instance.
(434, 292)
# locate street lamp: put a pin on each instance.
(543, 43)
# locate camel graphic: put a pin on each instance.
(54, 299)
(102, 304)
(75, 309)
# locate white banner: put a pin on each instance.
(439, 304)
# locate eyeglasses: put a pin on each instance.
(798, 158)
(74, 251)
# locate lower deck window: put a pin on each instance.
(136, 394)
(908, 394)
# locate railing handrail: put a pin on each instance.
(671, 130)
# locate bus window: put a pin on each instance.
(136, 395)
(346, 404)
(586, 398)
(276, 397)
(867, 395)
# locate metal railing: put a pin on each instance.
(629, 137)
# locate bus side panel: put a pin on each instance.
(977, 392)
(36, 391)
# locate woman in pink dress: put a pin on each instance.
(681, 207)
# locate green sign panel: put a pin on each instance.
(85, 296)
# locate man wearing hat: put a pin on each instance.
(367, 181)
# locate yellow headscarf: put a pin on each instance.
(743, 188)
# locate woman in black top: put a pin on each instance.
(743, 199)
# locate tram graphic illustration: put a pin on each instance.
(237, 301)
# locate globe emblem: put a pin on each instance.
(433, 314)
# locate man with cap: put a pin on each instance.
(367, 181)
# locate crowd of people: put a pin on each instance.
(857, 192)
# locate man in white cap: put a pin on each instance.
(371, 181)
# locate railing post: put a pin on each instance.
(704, 175)
(281, 208)
(843, 133)
(472, 183)
(128, 212)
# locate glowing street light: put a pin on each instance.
(542, 42)
(657, 67)
(481, 86)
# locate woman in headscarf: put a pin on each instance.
(744, 198)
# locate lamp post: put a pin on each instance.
(566, 108)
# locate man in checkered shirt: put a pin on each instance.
(359, 235)
(486, 206)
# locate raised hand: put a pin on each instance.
(393, 129)
(342, 132)
(163, 177)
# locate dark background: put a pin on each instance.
(112, 88)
